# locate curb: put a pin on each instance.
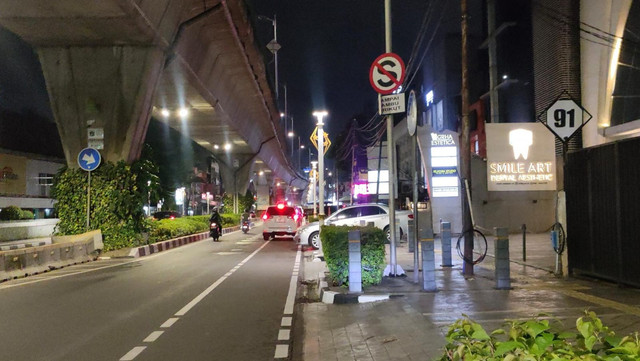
(339, 298)
(173, 243)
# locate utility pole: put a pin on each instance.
(390, 157)
(465, 152)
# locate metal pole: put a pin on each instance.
(275, 55)
(465, 156)
(390, 160)
(292, 135)
(88, 199)
(414, 165)
(493, 65)
(321, 170)
(524, 243)
(353, 153)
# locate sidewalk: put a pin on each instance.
(411, 324)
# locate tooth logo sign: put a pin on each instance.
(521, 140)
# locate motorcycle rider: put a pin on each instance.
(246, 215)
(215, 217)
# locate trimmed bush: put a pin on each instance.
(536, 339)
(165, 229)
(26, 214)
(10, 213)
(335, 245)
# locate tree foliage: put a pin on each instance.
(116, 200)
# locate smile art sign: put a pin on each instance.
(520, 157)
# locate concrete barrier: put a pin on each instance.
(169, 244)
(66, 251)
(17, 230)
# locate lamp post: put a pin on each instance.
(208, 195)
(313, 186)
(321, 114)
(291, 134)
(273, 45)
(300, 148)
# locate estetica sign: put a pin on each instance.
(520, 157)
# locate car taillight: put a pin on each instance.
(265, 216)
(410, 216)
(295, 217)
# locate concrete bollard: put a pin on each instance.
(355, 262)
(501, 251)
(410, 238)
(445, 243)
(428, 260)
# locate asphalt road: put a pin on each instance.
(231, 300)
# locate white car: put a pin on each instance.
(280, 220)
(357, 215)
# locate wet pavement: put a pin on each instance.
(411, 324)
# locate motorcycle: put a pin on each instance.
(245, 226)
(214, 232)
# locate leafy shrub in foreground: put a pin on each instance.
(535, 340)
(335, 245)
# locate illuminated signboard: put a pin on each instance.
(370, 186)
(444, 165)
(520, 157)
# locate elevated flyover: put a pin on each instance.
(112, 64)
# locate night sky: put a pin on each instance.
(327, 49)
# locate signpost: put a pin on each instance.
(564, 117)
(89, 159)
(386, 75)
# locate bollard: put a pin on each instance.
(428, 260)
(410, 238)
(501, 251)
(524, 243)
(355, 262)
(445, 243)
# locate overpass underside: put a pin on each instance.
(112, 64)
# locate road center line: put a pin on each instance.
(153, 336)
(209, 289)
(168, 323)
(133, 353)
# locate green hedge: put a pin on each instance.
(14, 213)
(537, 340)
(335, 245)
(165, 229)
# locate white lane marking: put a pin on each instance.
(137, 350)
(284, 335)
(133, 353)
(168, 323)
(153, 336)
(204, 293)
(282, 351)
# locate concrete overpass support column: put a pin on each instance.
(235, 177)
(109, 87)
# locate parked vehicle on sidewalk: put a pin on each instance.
(280, 220)
(356, 215)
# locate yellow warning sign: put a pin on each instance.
(314, 140)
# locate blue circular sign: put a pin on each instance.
(89, 159)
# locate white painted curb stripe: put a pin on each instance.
(282, 351)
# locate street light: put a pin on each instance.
(273, 45)
(314, 175)
(320, 115)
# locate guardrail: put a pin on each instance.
(64, 251)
